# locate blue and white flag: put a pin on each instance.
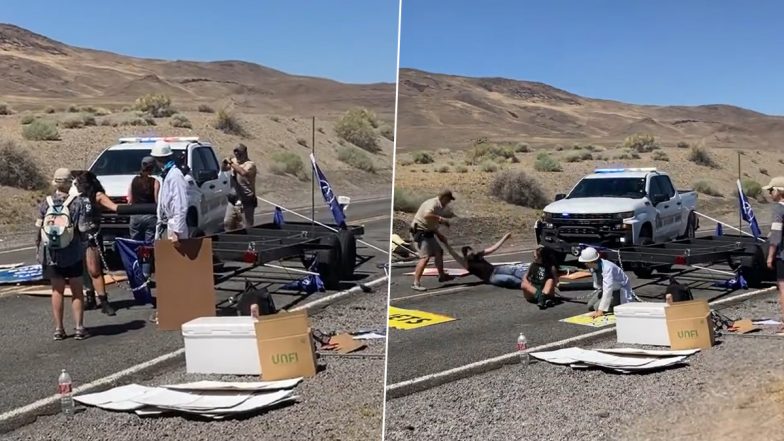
(329, 197)
(21, 274)
(128, 249)
(747, 213)
(308, 284)
(277, 217)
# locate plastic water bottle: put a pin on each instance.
(65, 389)
(522, 345)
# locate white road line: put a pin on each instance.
(16, 250)
(424, 382)
(44, 402)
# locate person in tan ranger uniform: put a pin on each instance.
(424, 230)
(242, 200)
(775, 262)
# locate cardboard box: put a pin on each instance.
(286, 346)
(689, 325)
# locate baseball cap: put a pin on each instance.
(241, 148)
(62, 175)
(446, 194)
(777, 183)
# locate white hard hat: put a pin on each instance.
(589, 255)
(161, 149)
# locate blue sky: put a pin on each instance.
(645, 52)
(346, 40)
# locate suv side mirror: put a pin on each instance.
(560, 196)
(206, 175)
(658, 199)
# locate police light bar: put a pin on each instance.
(621, 170)
(159, 138)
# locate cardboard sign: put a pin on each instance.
(587, 320)
(286, 347)
(400, 318)
(185, 285)
(689, 325)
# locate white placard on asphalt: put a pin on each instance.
(581, 357)
(174, 399)
(655, 353)
(118, 398)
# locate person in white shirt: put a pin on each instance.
(611, 283)
(172, 200)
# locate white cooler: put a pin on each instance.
(221, 345)
(642, 323)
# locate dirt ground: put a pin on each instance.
(268, 134)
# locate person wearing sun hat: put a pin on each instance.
(432, 213)
(612, 285)
(775, 189)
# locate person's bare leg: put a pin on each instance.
(58, 292)
(439, 257)
(95, 272)
(77, 300)
(420, 269)
(549, 288)
(529, 291)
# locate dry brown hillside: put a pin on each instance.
(42, 79)
(464, 133)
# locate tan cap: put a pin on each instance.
(777, 183)
(62, 175)
(446, 194)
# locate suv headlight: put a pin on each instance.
(547, 217)
(624, 215)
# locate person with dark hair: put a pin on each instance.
(144, 189)
(541, 279)
(96, 200)
(242, 199)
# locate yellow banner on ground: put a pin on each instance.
(587, 320)
(400, 318)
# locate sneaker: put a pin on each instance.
(81, 334)
(445, 278)
(418, 287)
(106, 307)
(154, 317)
(541, 302)
(59, 334)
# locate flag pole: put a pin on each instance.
(313, 178)
(740, 189)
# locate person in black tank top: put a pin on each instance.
(144, 190)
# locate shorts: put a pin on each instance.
(429, 247)
(64, 272)
(780, 270)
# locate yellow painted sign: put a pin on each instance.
(411, 319)
(587, 320)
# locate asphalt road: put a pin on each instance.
(31, 361)
(489, 319)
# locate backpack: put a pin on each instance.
(57, 230)
(680, 293)
(253, 295)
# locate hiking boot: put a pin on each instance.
(445, 278)
(89, 301)
(418, 287)
(541, 302)
(106, 308)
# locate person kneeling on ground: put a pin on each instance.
(541, 279)
(60, 240)
(611, 283)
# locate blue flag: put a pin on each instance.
(21, 274)
(127, 249)
(277, 217)
(719, 230)
(329, 196)
(747, 213)
(308, 284)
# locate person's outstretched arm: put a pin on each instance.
(497, 245)
(458, 258)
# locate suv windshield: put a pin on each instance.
(609, 188)
(126, 162)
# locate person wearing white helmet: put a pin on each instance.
(611, 283)
(173, 199)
